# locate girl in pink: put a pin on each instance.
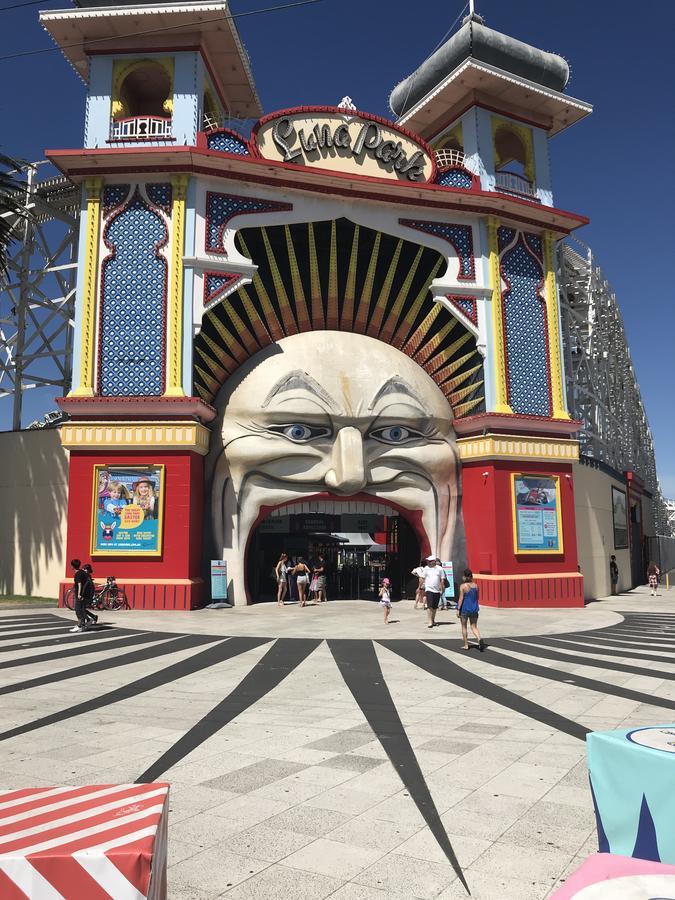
(385, 598)
(653, 573)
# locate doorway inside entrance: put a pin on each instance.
(360, 542)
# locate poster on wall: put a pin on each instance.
(128, 512)
(537, 524)
(620, 519)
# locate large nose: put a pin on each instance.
(348, 471)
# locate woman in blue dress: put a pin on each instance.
(468, 609)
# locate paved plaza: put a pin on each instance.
(317, 753)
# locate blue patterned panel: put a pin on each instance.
(534, 243)
(114, 195)
(216, 283)
(134, 285)
(526, 337)
(458, 236)
(160, 195)
(457, 177)
(227, 142)
(220, 208)
(466, 305)
(504, 237)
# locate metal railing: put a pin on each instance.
(514, 184)
(140, 128)
(446, 159)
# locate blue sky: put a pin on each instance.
(614, 167)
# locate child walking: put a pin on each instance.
(468, 609)
(653, 573)
(385, 598)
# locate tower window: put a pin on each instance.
(510, 153)
(145, 91)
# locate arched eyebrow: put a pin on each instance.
(396, 385)
(299, 380)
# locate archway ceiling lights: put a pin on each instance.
(340, 276)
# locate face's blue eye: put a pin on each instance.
(394, 434)
(299, 433)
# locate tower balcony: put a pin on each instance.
(510, 183)
(141, 128)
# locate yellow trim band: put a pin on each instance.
(559, 410)
(136, 435)
(174, 342)
(509, 446)
(85, 388)
(499, 354)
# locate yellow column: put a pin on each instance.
(559, 410)
(498, 348)
(174, 342)
(85, 388)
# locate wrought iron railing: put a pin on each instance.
(514, 184)
(140, 128)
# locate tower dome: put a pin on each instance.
(476, 41)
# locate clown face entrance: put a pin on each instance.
(360, 542)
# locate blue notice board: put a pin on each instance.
(448, 571)
(218, 579)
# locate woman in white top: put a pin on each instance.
(418, 572)
(281, 570)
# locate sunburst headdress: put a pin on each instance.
(339, 276)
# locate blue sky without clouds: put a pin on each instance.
(615, 166)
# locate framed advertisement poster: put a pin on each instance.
(619, 519)
(537, 519)
(128, 510)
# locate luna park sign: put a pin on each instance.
(350, 144)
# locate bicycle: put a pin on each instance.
(106, 596)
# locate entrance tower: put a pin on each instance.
(335, 316)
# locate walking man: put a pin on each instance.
(613, 574)
(434, 582)
(81, 581)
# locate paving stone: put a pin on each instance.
(342, 741)
(255, 776)
(332, 858)
(352, 762)
(420, 878)
(265, 842)
(281, 883)
(308, 820)
(443, 745)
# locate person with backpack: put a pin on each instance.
(81, 581)
(468, 609)
(89, 592)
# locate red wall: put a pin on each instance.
(183, 522)
(488, 518)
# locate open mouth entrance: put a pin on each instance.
(361, 542)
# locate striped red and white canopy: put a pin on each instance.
(93, 842)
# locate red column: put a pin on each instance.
(507, 578)
(169, 581)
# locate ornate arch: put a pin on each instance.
(122, 68)
(340, 276)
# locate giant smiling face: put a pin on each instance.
(336, 414)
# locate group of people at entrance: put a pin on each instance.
(297, 577)
(432, 583)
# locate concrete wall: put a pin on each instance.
(595, 531)
(34, 503)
